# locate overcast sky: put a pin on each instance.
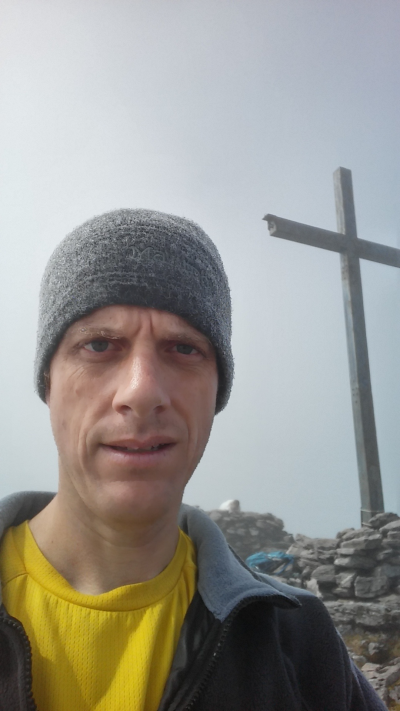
(220, 111)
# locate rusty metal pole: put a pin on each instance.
(360, 378)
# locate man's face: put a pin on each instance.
(132, 399)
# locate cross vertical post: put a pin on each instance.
(351, 249)
(357, 348)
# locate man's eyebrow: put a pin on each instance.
(91, 331)
(189, 335)
(94, 331)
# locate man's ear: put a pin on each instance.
(46, 377)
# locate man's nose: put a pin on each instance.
(142, 386)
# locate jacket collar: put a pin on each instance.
(224, 581)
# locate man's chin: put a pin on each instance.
(135, 503)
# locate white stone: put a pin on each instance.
(232, 505)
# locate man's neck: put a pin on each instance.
(94, 556)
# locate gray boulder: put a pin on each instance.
(391, 571)
(363, 543)
(386, 554)
(392, 526)
(391, 543)
(381, 519)
(393, 535)
(346, 580)
(358, 562)
(370, 587)
(324, 575)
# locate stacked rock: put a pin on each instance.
(249, 532)
(359, 563)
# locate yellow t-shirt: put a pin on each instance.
(109, 652)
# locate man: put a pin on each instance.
(116, 597)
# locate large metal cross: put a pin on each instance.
(351, 249)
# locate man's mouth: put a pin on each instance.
(140, 450)
(154, 448)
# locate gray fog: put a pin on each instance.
(220, 111)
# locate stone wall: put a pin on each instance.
(249, 532)
(361, 563)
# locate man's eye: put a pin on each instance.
(97, 346)
(185, 349)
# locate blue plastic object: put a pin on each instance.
(274, 563)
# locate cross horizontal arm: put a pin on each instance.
(333, 241)
(378, 253)
(305, 234)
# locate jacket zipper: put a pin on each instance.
(217, 653)
(12, 622)
(31, 705)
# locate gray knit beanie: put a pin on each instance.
(143, 258)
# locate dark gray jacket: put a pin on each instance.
(248, 643)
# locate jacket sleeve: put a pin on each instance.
(360, 694)
(327, 677)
